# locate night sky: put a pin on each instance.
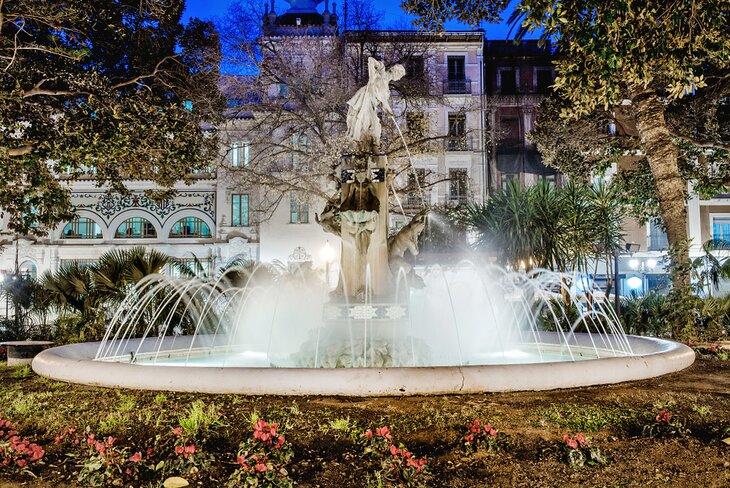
(394, 16)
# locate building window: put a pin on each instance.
(78, 262)
(416, 125)
(239, 210)
(658, 240)
(240, 154)
(413, 197)
(136, 228)
(507, 81)
(28, 269)
(509, 131)
(299, 210)
(458, 185)
(457, 68)
(543, 79)
(457, 133)
(456, 82)
(190, 227)
(299, 143)
(82, 228)
(508, 179)
(414, 68)
(721, 228)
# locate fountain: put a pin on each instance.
(384, 330)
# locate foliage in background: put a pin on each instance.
(649, 57)
(543, 226)
(116, 90)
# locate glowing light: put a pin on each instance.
(651, 263)
(327, 253)
(634, 264)
(634, 283)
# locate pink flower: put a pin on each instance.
(469, 437)
(394, 450)
(260, 467)
(110, 440)
(21, 462)
(664, 416)
(136, 457)
(179, 449)
(241, 460)
(489, 430)
(383, 432)
(58, 440)
(581, 440)
(571, 443)
(189, 450)
(100, 447)
(280, 442)
(128, 472)
(368, 434)
(177, 431)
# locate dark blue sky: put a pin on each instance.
(394, 16)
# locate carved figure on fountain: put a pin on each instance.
(363, 124)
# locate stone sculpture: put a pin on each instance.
(363, 123)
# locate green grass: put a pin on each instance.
(199, 420)
(22, 372)
(589, 418)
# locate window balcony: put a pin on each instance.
(457, 87)
(458, 143)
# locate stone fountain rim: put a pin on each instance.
(74, 363)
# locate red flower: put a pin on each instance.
(571, 443)
(368, 434)
(280, 442)
(383, 432)
(179, 449)
(581, 440)
(260, 467)
(136, 457)
(469, 437)
(21, 462)
(110, 440)
(394, 450)
(149, 451)
(664, 416)
(241, 460)
(489, 430)
(100, 447)
(189, 450)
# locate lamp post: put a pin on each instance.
(328, 255)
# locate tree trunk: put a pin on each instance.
(671, 189)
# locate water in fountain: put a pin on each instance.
(464, 315)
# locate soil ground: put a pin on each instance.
(327, 454)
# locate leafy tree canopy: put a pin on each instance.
(116, 89)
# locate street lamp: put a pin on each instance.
(328, 255)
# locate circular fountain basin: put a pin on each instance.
(523, 369)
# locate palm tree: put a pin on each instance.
(93, 291)
(709, 268)
(546, 226)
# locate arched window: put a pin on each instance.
(136, 228)
(28, 269)
(190, 227)
(82, 228)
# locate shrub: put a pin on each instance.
(262, 458)
(397, 464)
(16, 452)
(102, 461)
(579, 452)
(483, 435)
(665, 424)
